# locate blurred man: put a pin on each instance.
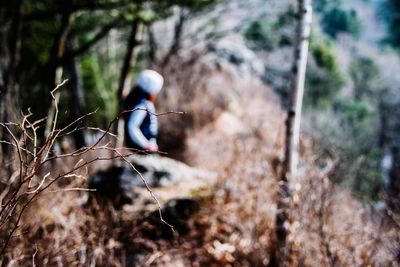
(141, 125)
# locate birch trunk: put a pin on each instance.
(289, 170)
(297, 92)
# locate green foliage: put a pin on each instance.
(261, 36)
(285, 25)
(163, 8)
(336, 20)
(324, 5)
(348, 124)
(323, 78)
(99, 92)
(88, 18)
(366, 77)
(360, 150)
(323, 55)
(392, 16)
(347, 131)
(356, 113)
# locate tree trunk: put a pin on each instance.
(126, 67)
(394, 179)
(128, 59)
(289, 170)
(177, 42)
(55, 68)
(57, 51)
(77, 94)
(152, 45)
(10, 28)
(383, 112)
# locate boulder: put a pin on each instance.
(169, 181)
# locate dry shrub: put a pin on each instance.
(68, 226)
(43, 220)
(330, 227)
(46, 216)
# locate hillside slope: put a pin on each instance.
(234, 127)
(242, 140)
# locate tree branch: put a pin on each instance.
(99, 36)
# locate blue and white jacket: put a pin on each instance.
(142, 126)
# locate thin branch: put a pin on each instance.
(11, 144)
(73, 189)
(44, 188)
(40, 185)
(33, 257)
(18, 149)
(40, 156)
(53, 134)
(148, 189)
(76, 121)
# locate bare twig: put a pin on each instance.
(147, 187)
(73, 189)
(33, 257)
(33, 159)
(16, 143)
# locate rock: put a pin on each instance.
(117, 183)
(168, 179)
(233, 51)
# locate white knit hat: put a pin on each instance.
(150, 81)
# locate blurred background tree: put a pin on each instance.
(336, 20)
(346, 97)
(48, 41)
(324, 79)
(391, 13)
(365, 75)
